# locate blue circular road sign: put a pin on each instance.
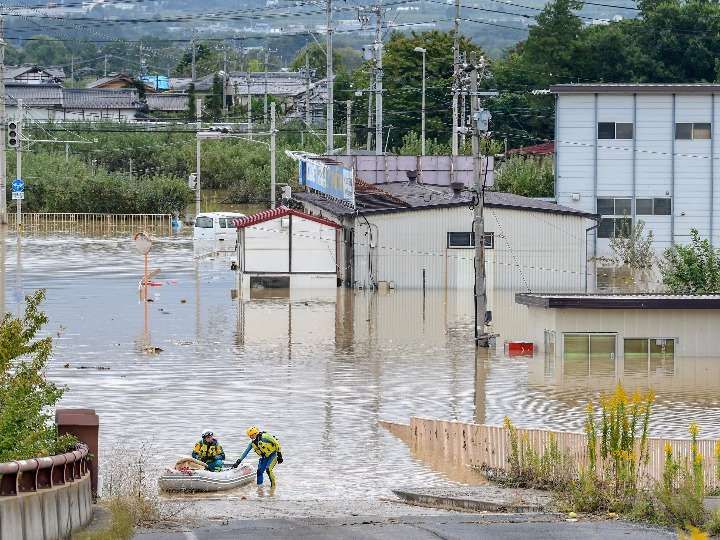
(18, 185)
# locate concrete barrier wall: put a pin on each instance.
(48, 514)
(475, 445)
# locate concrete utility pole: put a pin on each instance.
(370, 118)
(456, 77)
(378, 48)
(105, 67)
(265, 99)
(18, 160)
(3, 120)
(330, 124)
(249, 98)
(348, 125)
(307, 94)
(192, 67)
(225, 81)
(198, 116)
(273, 135)
(423, 51)
(480, 124)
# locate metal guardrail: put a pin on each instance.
(30, 475)
(92, 222)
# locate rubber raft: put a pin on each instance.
(194, 480)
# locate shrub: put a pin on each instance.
(526, 176)
(26, 396)
(692, 269)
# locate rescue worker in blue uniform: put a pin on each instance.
(268, 448)
(209, 451)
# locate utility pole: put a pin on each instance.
(198, 116)
(378, 48)
(18, 161)
(249, 99)
(480, 119)
(329, 134)
(348, 125)
(273, 136)
(369, 123)
(456, 77)
(192, 67)
(225, 81)
(105, 67)
(265, 99)
(3, 141)
(307, 94)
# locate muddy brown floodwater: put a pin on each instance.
(317, 370)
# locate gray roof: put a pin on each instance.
(279, 83)
(34, 95)
(12, 72)
(167, 102)
(112, 77)
(406, 196)
(88, 98)
(620, 301)
(629, 88)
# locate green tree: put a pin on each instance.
(692, 268)
(402, 83)
(526, 176)
(27, 397)
(214, 106)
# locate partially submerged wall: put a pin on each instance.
(475, 445)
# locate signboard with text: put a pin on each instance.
(331, 178)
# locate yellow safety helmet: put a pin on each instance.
(252, 431)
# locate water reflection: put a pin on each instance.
(318, 369)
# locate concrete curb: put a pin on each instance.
(465, 504)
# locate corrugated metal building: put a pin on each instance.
(411, 235)
(640, 152)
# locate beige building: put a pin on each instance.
(625, 328)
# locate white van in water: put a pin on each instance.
(216, 229)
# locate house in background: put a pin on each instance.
(33, 74)
(116, 81)
(289, 89)
(633, 152)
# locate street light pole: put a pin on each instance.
(422, 121)
(198, 114)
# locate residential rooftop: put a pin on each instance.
(632, 88)
(409, 196)
(619, 301)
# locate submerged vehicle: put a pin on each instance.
(190, 475)
(217, 229)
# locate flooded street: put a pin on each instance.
(317, 370)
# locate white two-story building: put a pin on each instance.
(640, 152)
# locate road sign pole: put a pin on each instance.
(18, 161)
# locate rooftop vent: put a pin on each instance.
(457, 189)
(412, 176)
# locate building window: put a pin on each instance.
(458, 240)
(615, 130)
(615, 212)
(693, 131)
(653, 207)
(648, 348)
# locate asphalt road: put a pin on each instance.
(451, 527)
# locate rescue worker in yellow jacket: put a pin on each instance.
(209, 451)
(268, 448)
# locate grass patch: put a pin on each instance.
(613, 479)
